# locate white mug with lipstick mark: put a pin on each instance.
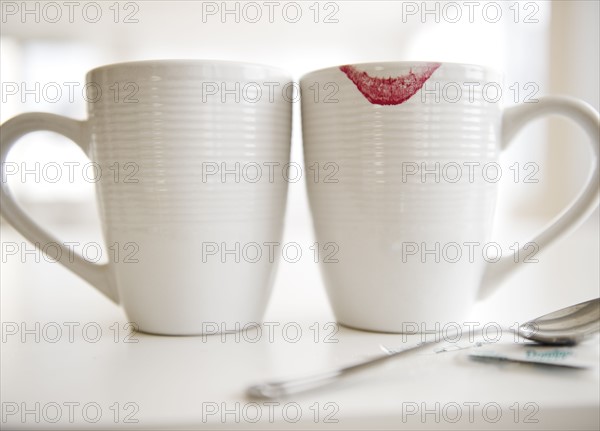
(416, 145)
(184, 215)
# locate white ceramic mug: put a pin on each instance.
(414, 248)
(179, 127)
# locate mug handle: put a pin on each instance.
(10, 132)
(513, 119)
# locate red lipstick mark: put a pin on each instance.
(389, 91)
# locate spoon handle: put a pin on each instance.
(280, 388)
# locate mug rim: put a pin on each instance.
(397, 63)
(187, 62)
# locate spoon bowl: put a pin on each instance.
(567, 326)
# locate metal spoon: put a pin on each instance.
(566, 326)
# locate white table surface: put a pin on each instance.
(199, 382)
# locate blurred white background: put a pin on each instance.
(547, 46)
